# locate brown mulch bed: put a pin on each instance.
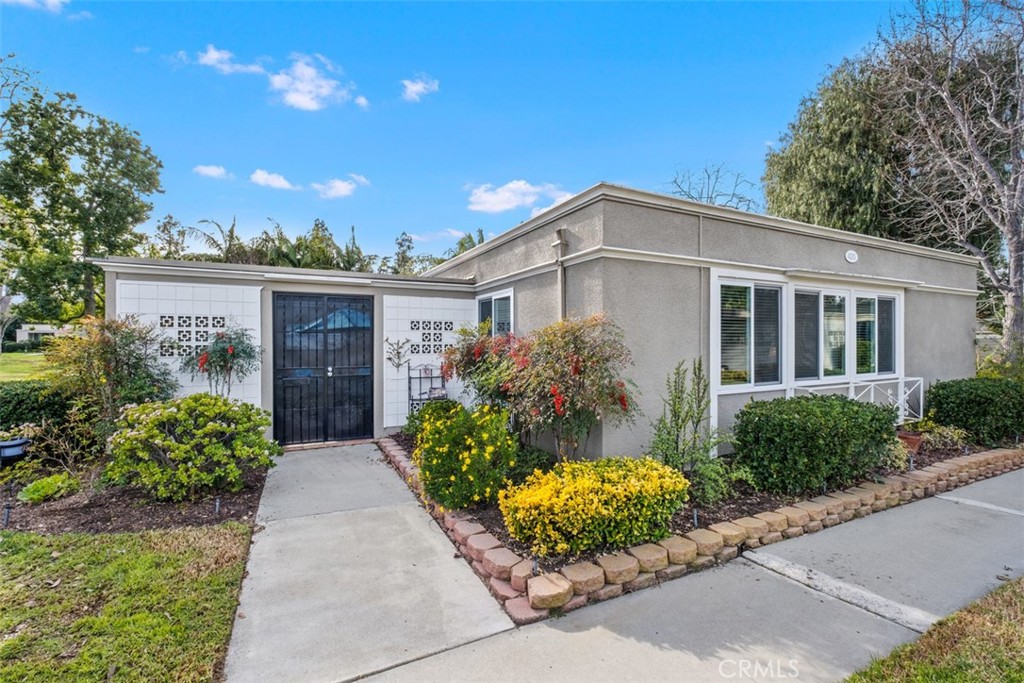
(115, 509)
(746, 504)
(405, 441)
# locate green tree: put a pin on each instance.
(352, 257)
(836, 162)
(225, 244)
(920, 140)
(75, 187)
(465, 243)
(168, 241)
(317, 248)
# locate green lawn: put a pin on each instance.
(981, 643)
(150, 606)
(20, 365)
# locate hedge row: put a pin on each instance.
(31, 401)
(810, 443)
(992, 410)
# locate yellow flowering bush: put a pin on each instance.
(464, 457)
(577, 506)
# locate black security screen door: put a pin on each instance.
(323, 368)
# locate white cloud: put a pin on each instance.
(414, 90)
(362, 102)
(304, 86)
(513, 195)
(224, 62)
(54, 6)
(559, 198)
(206, 171)
(361, 179)
(335, 188)
(272, 180)
(80, 16)
(140, 49)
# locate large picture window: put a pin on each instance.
(751, 336)
(830, 334)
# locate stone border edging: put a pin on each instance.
(528, 597)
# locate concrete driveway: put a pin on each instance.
(349, 576)
(350, 579)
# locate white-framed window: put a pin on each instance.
(876, 334)
(496, 307)
(770, 332)
(750, 333)
(819, 334)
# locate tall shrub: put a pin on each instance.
(991, 409)
(464, 457)
(108, 364)
(485, 364)
(806, 443)
(561, 380)
(572, 380)
(684, 439)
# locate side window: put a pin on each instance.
(497, 309)
(751, 334)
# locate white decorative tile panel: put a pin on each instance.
(429, 324)
(188, 316)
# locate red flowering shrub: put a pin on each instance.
(484, 363)
(561, 379)
(230, 355)
(573, 380)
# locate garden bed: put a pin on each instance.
(532, 588)
(116, 509)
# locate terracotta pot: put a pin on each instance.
(912, 440)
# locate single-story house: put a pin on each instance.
(37, 332)
(773, 307)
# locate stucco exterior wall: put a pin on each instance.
(657, 229)
(659, 308)
(940, 331)
(581, 230)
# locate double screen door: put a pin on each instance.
(323, 368)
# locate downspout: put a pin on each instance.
(559, 246)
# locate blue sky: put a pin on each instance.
(431, 118)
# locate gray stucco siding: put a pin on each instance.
(939, 335)
(580, 229)
(659, 308)
(767, 247)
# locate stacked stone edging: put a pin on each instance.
(528, 596)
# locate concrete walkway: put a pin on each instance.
(815, 608)
(349, 576)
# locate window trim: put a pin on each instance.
(748, 279)
(788, 330)
(500, 294)
(897, 337)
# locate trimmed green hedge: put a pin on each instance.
(992, 410)
(793, 445)
(31, 401)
